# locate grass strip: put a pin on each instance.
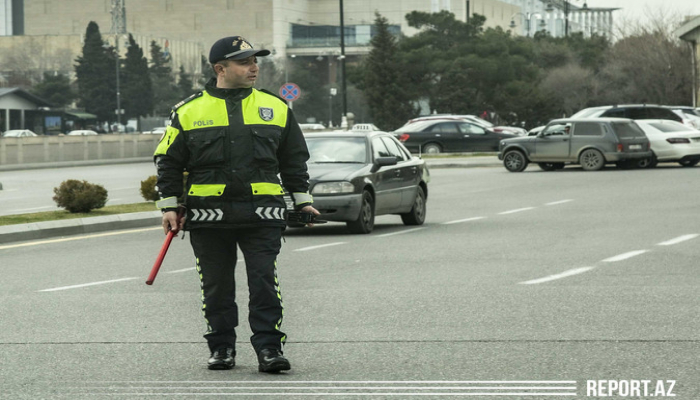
(63, 214)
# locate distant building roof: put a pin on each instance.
(25, 95)
(690, 30)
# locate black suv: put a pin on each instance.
(631, 111)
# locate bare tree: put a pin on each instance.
(570, 86)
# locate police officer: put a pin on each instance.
(234, 141)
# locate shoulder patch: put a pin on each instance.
(187, 100)
(273, 94)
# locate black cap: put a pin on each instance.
(233, 48)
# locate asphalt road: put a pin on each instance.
(519, 286)
(29, 191)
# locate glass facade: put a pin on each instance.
(329, 35)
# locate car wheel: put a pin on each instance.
(432, 148)
(592, 160)
(688, 163)
(647, 162)
(365, 221)
(550, 166)
(515, 161)
(417, 214)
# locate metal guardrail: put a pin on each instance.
(61, 149)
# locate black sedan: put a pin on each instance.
(355, 176)
(449, 135)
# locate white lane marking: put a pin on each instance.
(516, 211)
(111, 200)
(554, 203)
(357, 382)
(678, 240)
(14, 246)
(446, 388)
(320, 246)
(459, 221)
(625, 256)
(86, 284)
(564, 274)
(399, 232)
(181, 270)
(190, 394)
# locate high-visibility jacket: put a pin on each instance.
(233, 144)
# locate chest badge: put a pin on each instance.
(266, 113)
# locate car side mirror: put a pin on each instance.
(382, 162)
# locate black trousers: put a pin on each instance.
(215, 250)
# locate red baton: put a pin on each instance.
(164, 249)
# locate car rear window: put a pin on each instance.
(615, 113)
(627, 130)
(415, 126)
(588, 129)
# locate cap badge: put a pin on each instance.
(266, 113)
(245, 45)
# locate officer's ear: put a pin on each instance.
(219, 68)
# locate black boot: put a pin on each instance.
(223, 358)
(272, 360)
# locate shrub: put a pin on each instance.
(76, 196)
(148, 189)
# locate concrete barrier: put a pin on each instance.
(66, 149)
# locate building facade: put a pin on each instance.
(690, 32)
(300, 27)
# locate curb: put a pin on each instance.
(49, 229)
(67, 164)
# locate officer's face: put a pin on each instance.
(234, 74)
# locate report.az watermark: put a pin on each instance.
(630, 388)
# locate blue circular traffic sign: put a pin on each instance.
(290, 91)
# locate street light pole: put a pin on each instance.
(566, 18)
(342, 61)
(118, 28)
(119, 104)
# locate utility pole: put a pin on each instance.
(342, 61)
(566, 18)
(118, 28)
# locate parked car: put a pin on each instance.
(689, 115)
(311, 127)
(448, 135)
(157, 131)
(82, 132)
(355, 176)
(631, 111)
(18, 133)
(591, 142)
(474, 119)
(672, 142)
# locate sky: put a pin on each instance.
(640, 10)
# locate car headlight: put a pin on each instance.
(333, 188)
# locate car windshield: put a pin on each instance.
(628, 130)
(587, 112)
(337, 150)
(669, 126)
